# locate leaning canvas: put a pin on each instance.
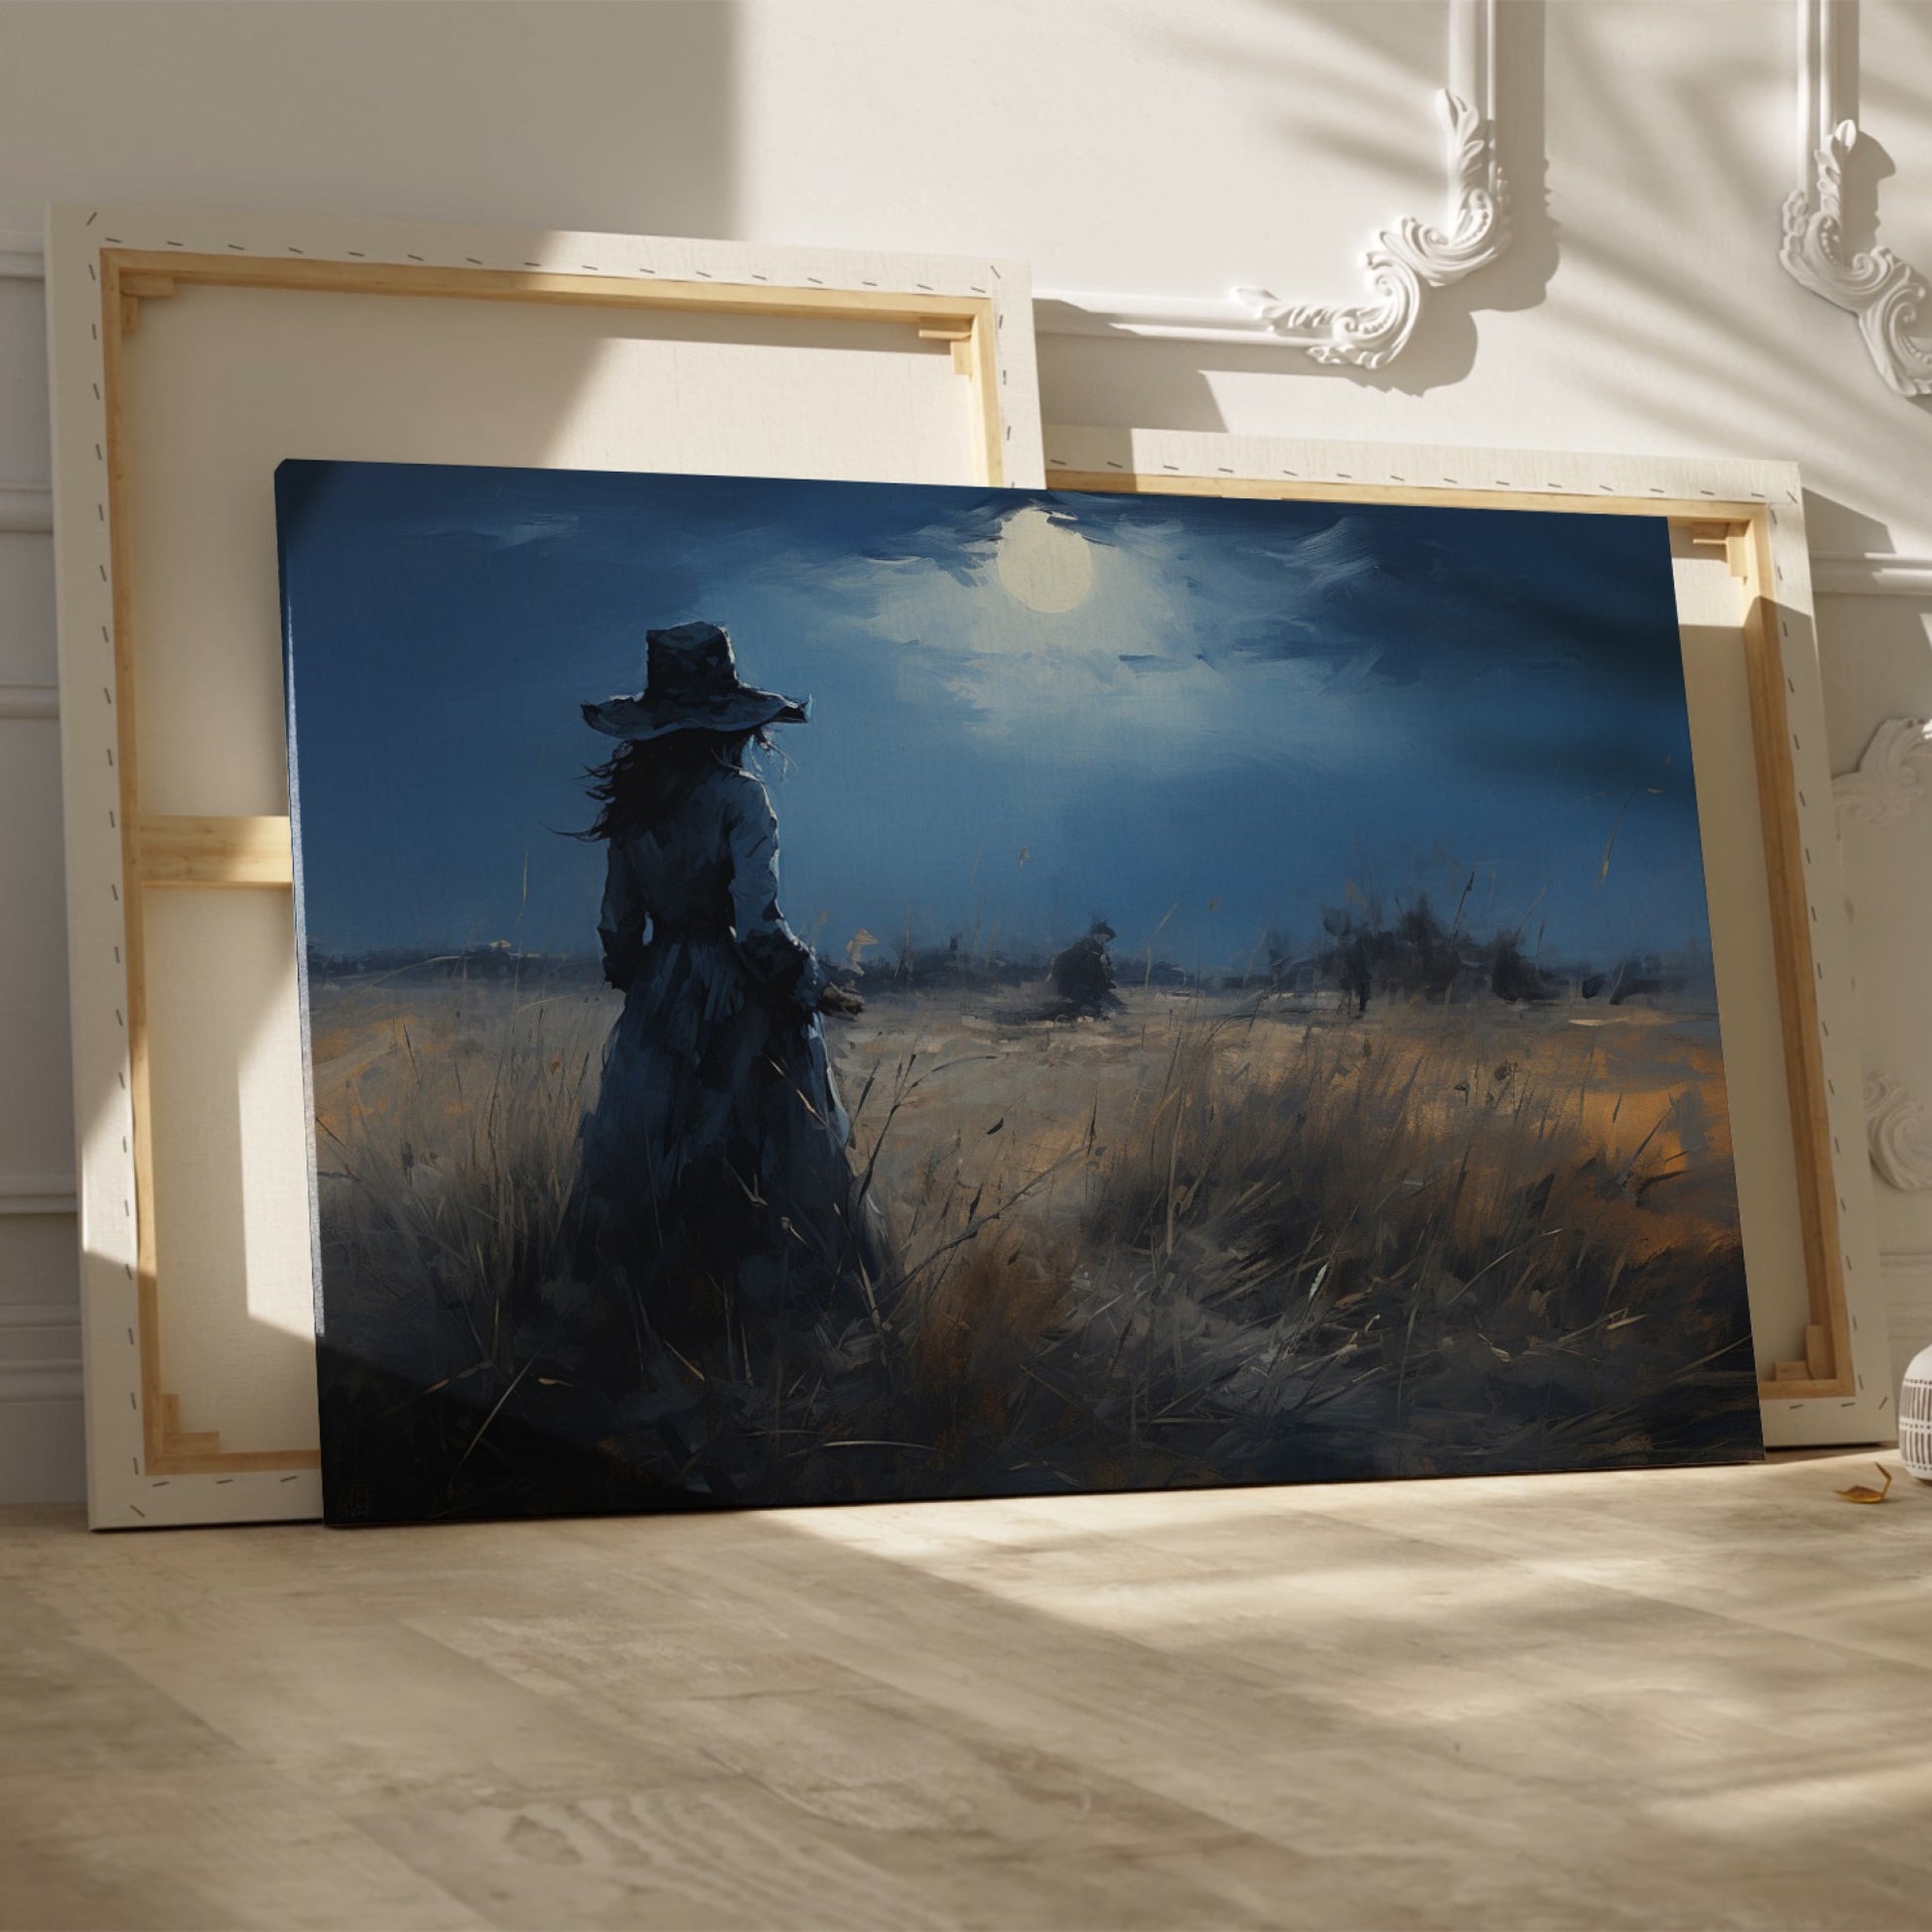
(823, 992)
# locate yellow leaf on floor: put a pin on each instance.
(1862, 1492)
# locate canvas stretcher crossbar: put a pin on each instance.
(190, 353)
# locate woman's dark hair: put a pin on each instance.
(639, 782)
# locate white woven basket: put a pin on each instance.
(1915, 1416)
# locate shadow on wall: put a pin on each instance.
(1710, 340)
(652, 86)
(385, 111)
(1444, 349)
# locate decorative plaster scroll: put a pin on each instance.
(1887, 295)
(1404, 263)
(1886, 784)
(1408, 259)
(1899, 1131)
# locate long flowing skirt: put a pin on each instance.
(715, 1181)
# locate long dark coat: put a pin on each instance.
(715, 1175)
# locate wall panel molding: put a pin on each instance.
(29, 701)
(1406, 263)
(1870, 573)
(1886, 787)
(40, 1352)
(26, 508)
(1887, 294)
(37, 1193)
(21, 257)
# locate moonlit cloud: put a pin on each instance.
(1079, 683)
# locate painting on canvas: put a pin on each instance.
(828, 992)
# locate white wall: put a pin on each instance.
(1151, 146)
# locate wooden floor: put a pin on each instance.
(1687, 1698)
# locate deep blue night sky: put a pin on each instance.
(1202, 717)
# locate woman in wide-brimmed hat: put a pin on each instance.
(715, 1179)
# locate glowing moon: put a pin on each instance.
(1046, 565)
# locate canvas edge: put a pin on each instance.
(1466, 472)
(121, 1494)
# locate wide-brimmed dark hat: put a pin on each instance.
(691, 684)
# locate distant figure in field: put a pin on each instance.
(1083, 975)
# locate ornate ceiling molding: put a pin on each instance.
(1887, 295)
(1406, 263)
(1886, 784)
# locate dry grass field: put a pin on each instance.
(1207, 1238)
